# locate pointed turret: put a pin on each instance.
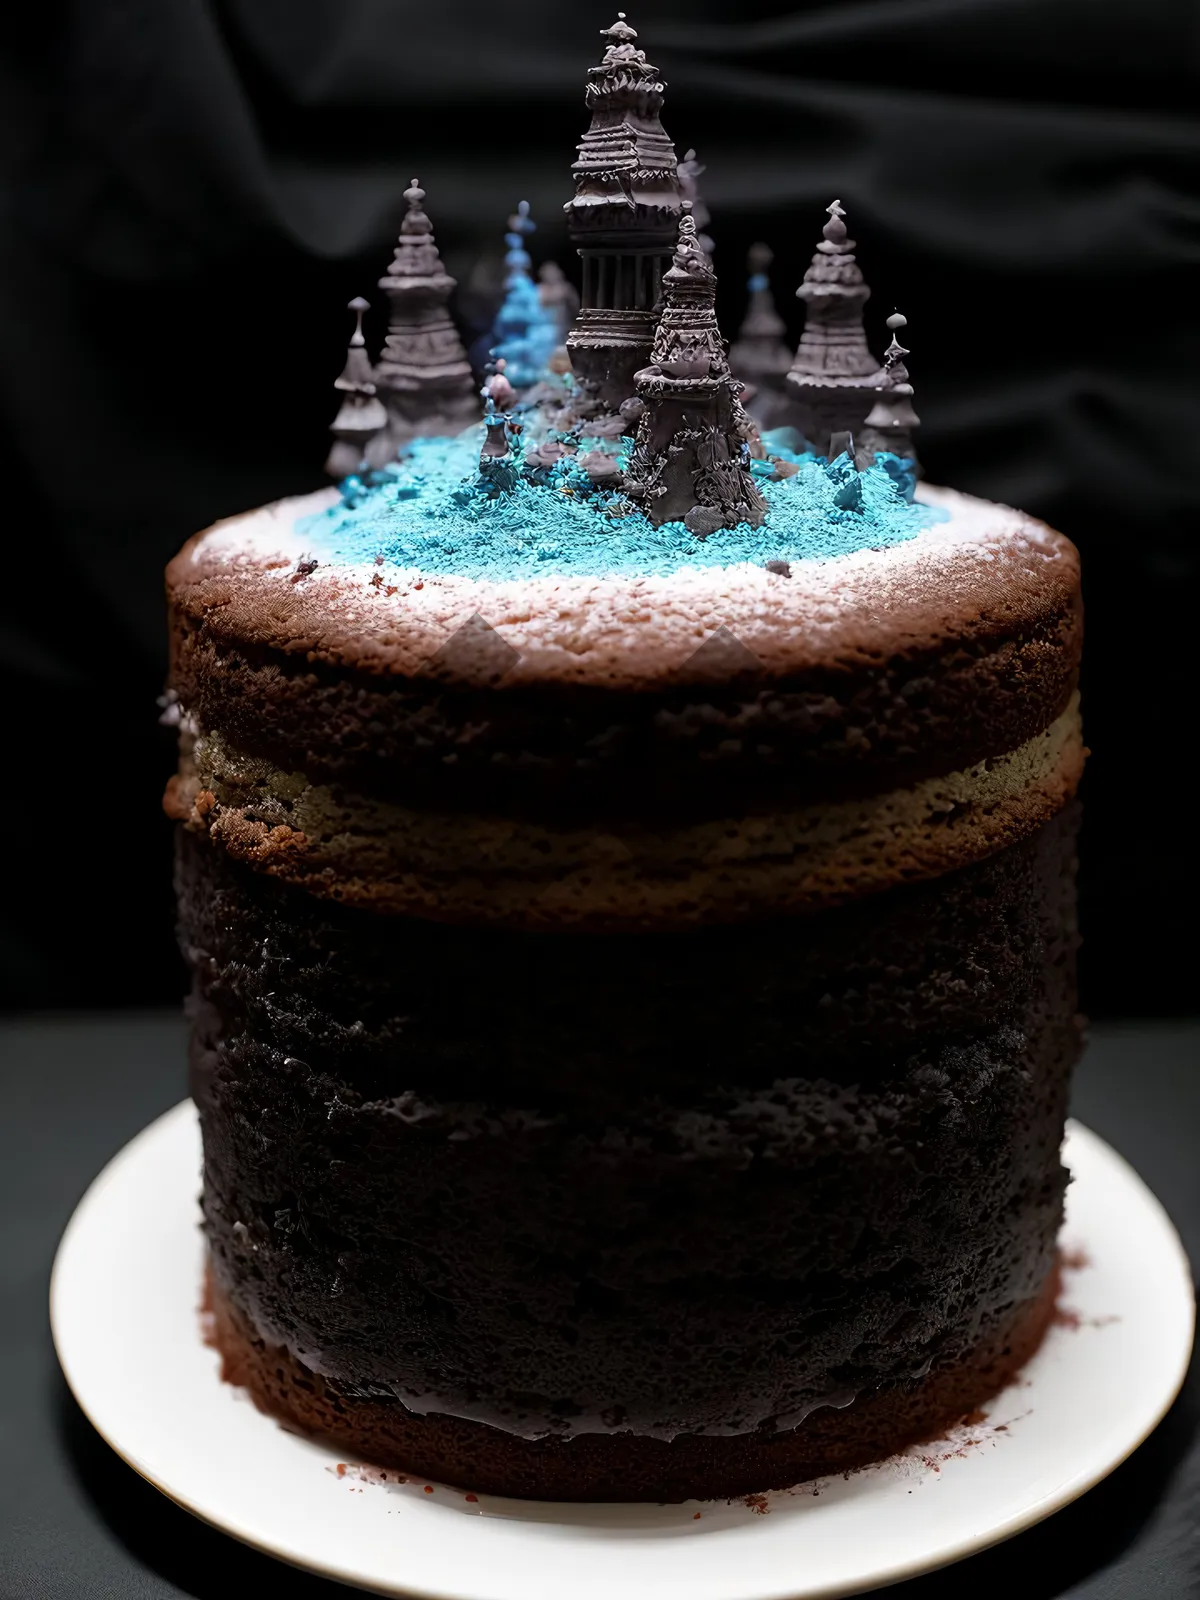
(892, 421)
(498, 468)
(690, 461)
(759, 358)
(524, 334)
(361, 414)
(623, 218)
(423, 374)
(834, 375)
(690, 172)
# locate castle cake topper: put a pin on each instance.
(691, 461)
(423, 375)
(622, 394)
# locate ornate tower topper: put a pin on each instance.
(834, 374)
(759, 357)
(361, 414)
(423, 373)
(891, 422)
(690, 462)
(691, 170)
(623, 218)
(525, 333)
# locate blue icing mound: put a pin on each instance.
(430, 512)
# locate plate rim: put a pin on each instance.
(1019, 1522)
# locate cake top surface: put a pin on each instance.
(342, 598)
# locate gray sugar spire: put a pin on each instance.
(892, 421)
(498, 468)
(759, 357)
(834, 375)
(361, 414)
(423, 373)
(691, 171)
(622, 219)
(691, 461)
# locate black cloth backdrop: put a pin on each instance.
(192, 189)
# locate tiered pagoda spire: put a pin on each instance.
(892, 421)
(691, 170)
(423, 373)
(690, 461)
(524, 334)
(758, 356)
(623, 217)
(361, 415)
(834, 375)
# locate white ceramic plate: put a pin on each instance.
(123, 1304)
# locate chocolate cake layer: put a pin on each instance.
(397, 1004)
(830, 733)
(808, 1215)
(727, 688)
(626, 1467)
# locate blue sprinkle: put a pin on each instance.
(430, 512)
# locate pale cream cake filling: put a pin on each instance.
(379, 854)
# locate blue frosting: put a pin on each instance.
(432, 512)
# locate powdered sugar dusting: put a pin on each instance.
(983, 559)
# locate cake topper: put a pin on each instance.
(648, 356)
(423, 374)
(834, 375)
(524, 334)
(361, 414)
(498, 468)
(892, 421)
(623, 217)
(690, 172)
(690, 461)
(759, 357)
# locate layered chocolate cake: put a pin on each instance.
(625, 865)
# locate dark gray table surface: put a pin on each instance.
(76, 1522)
